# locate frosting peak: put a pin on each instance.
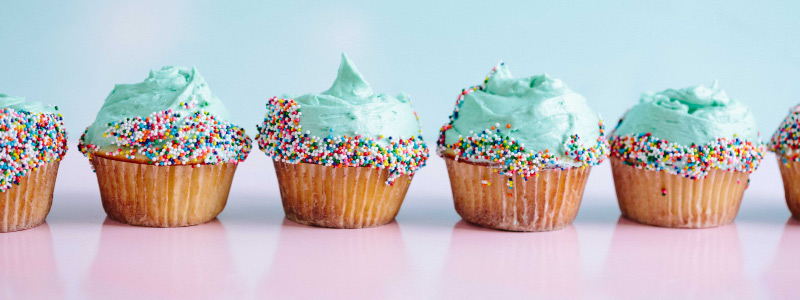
(690, 99)
(502, 83)
(692, 115)
(176, 88)
(346, 126)
(182, 90)
(349, 83)
(688, 132)
(523, 124)
(169, 118)
(351, 108)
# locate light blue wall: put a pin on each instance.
(71, 53)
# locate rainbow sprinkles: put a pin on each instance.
(281, 137)
(169, 138)
(693, 161)
(28, 141)
(786, 140)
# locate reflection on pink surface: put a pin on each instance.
(27, 265)
(162, 263)
(654, 262)
(491, 264)
(323, 263)
(781, 276)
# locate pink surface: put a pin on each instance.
(252, 252)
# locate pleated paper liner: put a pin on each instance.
(546, 202)
(662, 199)
(790, 172)
(26, 205)
(162, 196)
(342, 197)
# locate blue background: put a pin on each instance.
(71, 53)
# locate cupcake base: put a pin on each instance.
(662, 199)
(342, 197)
(790, 172)
(546, 202)
(162, 196)
(26, 205)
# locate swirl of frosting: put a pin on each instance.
(351, 108)
(693, 115)
(688, 132)
(19, 103)
(346, 126)
(169, 118)
(539, 115)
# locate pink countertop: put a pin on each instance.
(252, 252)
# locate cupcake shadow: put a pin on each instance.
(324, 263)
(781, 275)
(28, 266)
(646, 260)
(158, 263)
(487, 263)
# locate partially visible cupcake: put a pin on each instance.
(32, 142)
(344, 157)
(682, 158)
(519, 152)
(786, 145)
(164, 150)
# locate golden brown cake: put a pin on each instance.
(519, 152)
(545, 202)
(27, 204)
(346, 197)
(682, 158)
(164, 168)
(663, 199)
(785, 143)
(33, 142)
(162, 196)
(344, 158)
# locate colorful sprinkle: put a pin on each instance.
(281, 137)
(786, 140)
(167, 138)
(694, 161)
(28, 141)
(663, 191)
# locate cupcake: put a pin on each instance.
(345, 157)
(164, 150)
(786, 145)
(33, 142)
(682, 158)
(519, 151)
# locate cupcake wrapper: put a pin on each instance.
(546, 202)
(701, 203)
(341, 197)
(790, 172)
(162, 196)
(26, 205)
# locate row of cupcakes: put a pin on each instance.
(518, 152)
